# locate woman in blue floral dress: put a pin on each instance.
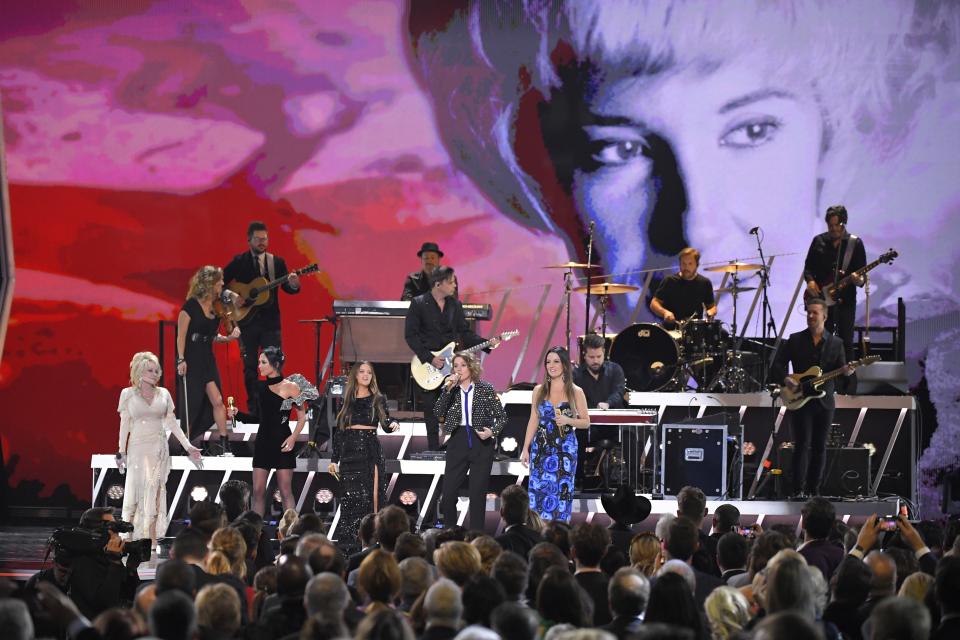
(550, 443)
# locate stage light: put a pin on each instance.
(277, 497)
(749, 448)
(508, 444)
(324, 496)
(115, 493)
(199, 493)
(408, 498)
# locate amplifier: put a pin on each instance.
(846, 473)
(695, 455)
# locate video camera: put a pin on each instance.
(71, 542)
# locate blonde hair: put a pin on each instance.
(534, 521)
(489, 550)
(138, 362)
(645, 553)
(728, 612)
(473, 364)
(286, 520)
(916, 586)
(203, 281)
(229, 541)
(218, 607)
(218, 563)
(458, 561)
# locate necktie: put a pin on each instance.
(262, 264)
(466, 412)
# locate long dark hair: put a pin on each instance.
(566, 377)
(671, 601)
(275, 357)
(350, 395)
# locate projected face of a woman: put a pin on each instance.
(684, 150)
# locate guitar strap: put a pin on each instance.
(848, 255)
(271, 272)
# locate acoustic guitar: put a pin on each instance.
(256, 293)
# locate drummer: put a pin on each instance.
(684, 295)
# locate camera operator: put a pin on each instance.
(99, 579)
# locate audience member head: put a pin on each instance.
(662, 528)
(143, 601)
(293, 574)
(266, 580)
(391, 522)
(326, 596)
(307, 523)
(613, 560)
(409, 545)
(728, 612)
(308, 543)
(430, 542)
(817, 517)
(559, 599)
(906, 562)
(788, 532)
(680, 568)
(449, 534)
(458, 561)
(884, 579)
(173, 617)
(535, 522)
(787, 625)
(367, 532)
(589, 541)
(93, 518)
(15, 620)
(286, 521)
(671, 602)
(732, 549)
(416, 576)
(628, 592)
(251, 536)
(693, 504)
(327, 558)
(510, 570)
(851, 581)
(206, 517)
(481, 595)
(514, 505)
(190, 545)
(230, 542)
(116, 624)
(558, 533)
(947, 585)
(514, 621)
(542, 557)
(442, 605)
(899, 619)
(176, 575)
(379, 577)
(683, 539)
(218, 609)
(790, 586)
(218, 563)
(384, 624)
(645, 553)
(288, 546)
(725, 518)
(764, 547)
(489, 550)
(234, 496)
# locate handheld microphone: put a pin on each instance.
(753, 231)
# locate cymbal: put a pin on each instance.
(572, 265)
(607, 288)
(733, 267)
(734, 289)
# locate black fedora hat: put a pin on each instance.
(430, 246)
(625, 507)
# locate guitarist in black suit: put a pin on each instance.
(814, 346)
(261, 328)
(831, 256)
(435, 319)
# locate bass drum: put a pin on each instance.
(648, 354)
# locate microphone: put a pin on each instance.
(226, 296)
(593, 224)
(753, 231)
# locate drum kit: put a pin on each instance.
(695, 353)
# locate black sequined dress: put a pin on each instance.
(362, 475)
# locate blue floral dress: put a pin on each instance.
(553, 465)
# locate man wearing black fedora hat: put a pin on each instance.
(418, 282)
(625, 508)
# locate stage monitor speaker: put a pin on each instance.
(695, 455)
(846, 473)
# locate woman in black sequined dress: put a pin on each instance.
(357, 456)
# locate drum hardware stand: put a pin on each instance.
(586, 328)
(567, 290)
(765, 308)
(732, 377)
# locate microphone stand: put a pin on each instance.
(764, 307)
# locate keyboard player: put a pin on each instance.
(604, 384)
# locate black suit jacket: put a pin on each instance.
(801, 353)
(244, 269)
(353, 562)
(428, 329)
(519, 539)
(596, 583)
(416, 284)
(487, 410)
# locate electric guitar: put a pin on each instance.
(830, 290)
(256, 293)
(430, 377)
(810, 382)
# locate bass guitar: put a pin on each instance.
(831, 291)
(256, 293)
(810, 382)
(430, 377)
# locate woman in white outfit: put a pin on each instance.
(146, 419)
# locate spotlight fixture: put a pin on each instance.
(324, 496)
(115, 492)
(508, 444)
(199, 493)
(408, 498)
